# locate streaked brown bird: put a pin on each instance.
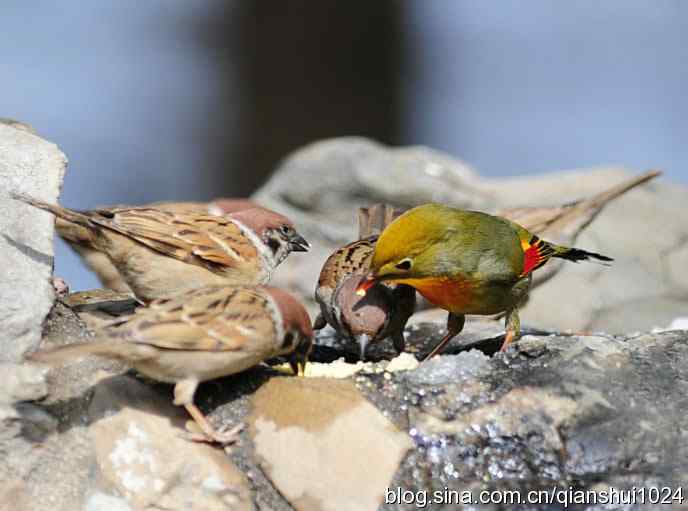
(385, 309)
(80, 239)
(159, 252)
(200, 335)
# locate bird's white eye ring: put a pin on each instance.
(404, 264)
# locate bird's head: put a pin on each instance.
(297, 339)
(411, 247)
(276, 231)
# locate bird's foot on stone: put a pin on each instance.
(508, 339)
(224, 436)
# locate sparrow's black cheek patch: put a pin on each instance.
(274, 245)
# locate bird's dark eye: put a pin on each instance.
(285, 229)
(288, 339)
(404, 265)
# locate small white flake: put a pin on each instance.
(213, 483)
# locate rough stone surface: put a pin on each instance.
(320, 186)
(143, 456)
(97, 433)
(34, 166)
(587, 411)
(316, 450)
(557, 410)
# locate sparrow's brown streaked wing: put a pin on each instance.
(211, 319)
(191, 238)
(535, 219)
(569, 219)
(373, 219)
(351, 258)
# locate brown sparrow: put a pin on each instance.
(160, 253)
(384, 310)
(200, 335)
(80, 239)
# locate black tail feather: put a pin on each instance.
(577, 254)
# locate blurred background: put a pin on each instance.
(171, 99)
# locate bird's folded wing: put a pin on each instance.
(210, 319)
(352, 258)
(192, 238)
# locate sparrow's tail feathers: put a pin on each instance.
(602, 198)
(374, 219)
(108, 349)
(67, 214)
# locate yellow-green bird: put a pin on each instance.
(465, 262)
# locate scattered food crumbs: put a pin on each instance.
(337, 369)
(404, 362)
(342, 369)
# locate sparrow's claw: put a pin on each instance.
(224, 436)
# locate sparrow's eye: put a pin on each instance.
(285, 229)
(288, 340)
(404, 265)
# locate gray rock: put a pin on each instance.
(31, 165)
(556, 410)
(597, 411)
(321, 185)
(34, 166)
(447, 368)
(22, 382)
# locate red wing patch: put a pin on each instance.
(536, 252)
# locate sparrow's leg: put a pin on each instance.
(513, 328)
(183, 396)
(455, 324)
(320, 322)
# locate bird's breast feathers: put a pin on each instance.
(450, 293)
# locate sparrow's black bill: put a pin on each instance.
(298, 365)
(298, 243)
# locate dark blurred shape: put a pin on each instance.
(311, 70)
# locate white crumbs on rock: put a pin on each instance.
(143, 456)
(103, 502)
(134, 461)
